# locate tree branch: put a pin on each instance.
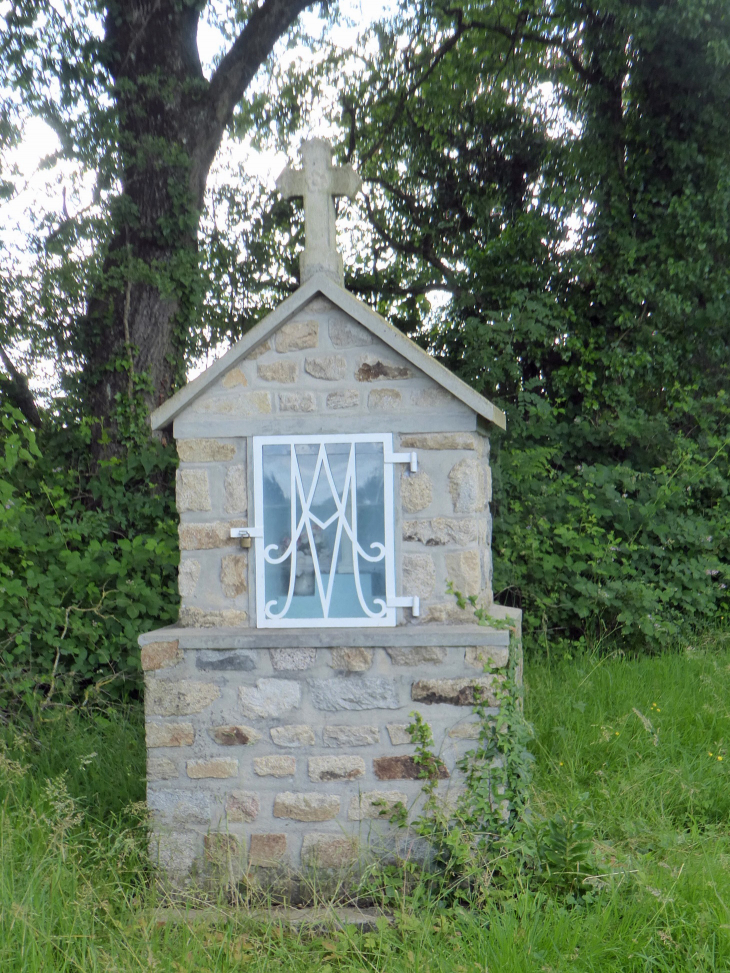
(252, 46)
(440, 54)
(16, 388)
(425, 251)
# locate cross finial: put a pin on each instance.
(319, 182)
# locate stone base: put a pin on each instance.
(317, 920)
(275, 767)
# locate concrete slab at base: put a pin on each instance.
(324, 918)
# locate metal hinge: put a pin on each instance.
(410, 458)
(405, 601)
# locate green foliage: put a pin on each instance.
(624, 552)
(560, 178)
(545, 210)
(486, 822)
(89, 561)
(564, 850)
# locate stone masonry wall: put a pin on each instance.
(317, 366)
(266, 762)
(270, 752)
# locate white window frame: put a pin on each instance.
(388, 617)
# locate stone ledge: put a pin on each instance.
(225, 638)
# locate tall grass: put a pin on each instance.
(631, 747)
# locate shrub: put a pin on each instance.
(89, 559)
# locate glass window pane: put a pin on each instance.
(324, 530)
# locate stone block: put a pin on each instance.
(220, 849)
(161, 768)
(297, 402)
(168, 698)
(234, 574)
(191, 617)
(234, 736)
(297, 735)
(306, 807)
(432, 398)
(175, 853)
(346, 333)
(416, 491)
(467, 486)
(208, 537)
(217, 767)
(336, 768)
(365, 692)
(271, 697)
(267, 850)
(284, 372)
(346, 399)
(494, 655)
(371, 805)
(188, 574)
(180, 807)
(465, 731)
(235, 490)
(419, 575)
(237, 403)
(351, 660)
(350, 736)
(464, 571)
(448, 612)
(275, 765)
(192, 491)
(204, 450)
(283, 659)
(399, 735)
(242, 806)
(169, 734)
(372, 368)
(233, 378)
(236, 660)
(161, 655)
(328, 851)
(404, 768)
(296, 335)
(439, 440)
(457, 692)
(328, 368)
(417, 655)
(385, 400)
(259, 350)
(440, 531)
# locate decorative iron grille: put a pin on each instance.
(324, 507)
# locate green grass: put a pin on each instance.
(630, 747)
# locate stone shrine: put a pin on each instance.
(333, 479)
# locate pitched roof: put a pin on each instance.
(320, 284)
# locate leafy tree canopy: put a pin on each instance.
(545, 209)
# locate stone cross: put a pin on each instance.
(319, 182)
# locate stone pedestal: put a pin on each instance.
(273, 755)
(274, 752)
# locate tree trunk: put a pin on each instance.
(171, 121)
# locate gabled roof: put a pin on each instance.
(320, 284)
